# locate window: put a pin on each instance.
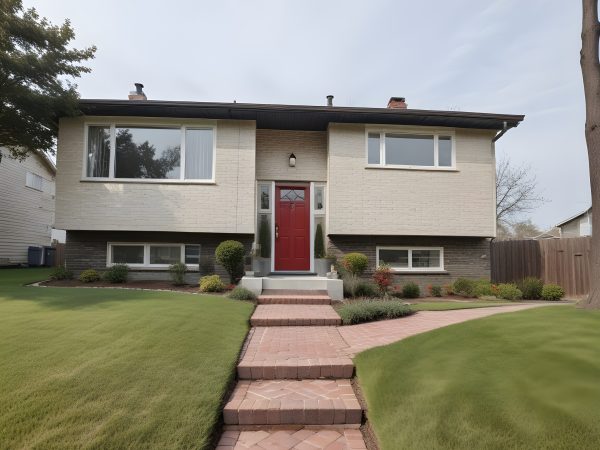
(127, 254)
(34, 181)
(148, 153)
(409, 150)
(123, 152)
(152, 255)
(319, 199)
(264, 200)
(407, 259)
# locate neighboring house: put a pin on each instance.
(578, 225)
(26, 205)
(149, 183)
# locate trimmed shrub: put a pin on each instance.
(448, 289)
(464, 287)
(552, 292)
(383, 278)
(89, 276)
(435, 291)
(117, 273)
(264, 237)
(177, 272)
(355, 263)
(241, 293)
(366, 290)
(61, 273)
(370, 310)
(531, 288)
(509, 291)
(319, 242)
(483, 288)
(230, 254)
(411, 290)
(211, 283)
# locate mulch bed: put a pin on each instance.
(137, 284)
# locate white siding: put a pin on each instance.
(411, 202)
(26, 214)
(226, 206)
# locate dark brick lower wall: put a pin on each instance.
(87, 249)
(463, 256)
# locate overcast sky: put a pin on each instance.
(505, 56)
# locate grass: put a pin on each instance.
(108, 368)
(446, 306)
(525, 380)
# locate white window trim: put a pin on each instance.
(410, 250)
(147, 245)
(268, 184)
(435, 133)
(124, 124)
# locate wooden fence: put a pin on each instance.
(562, 261)
(59, 259)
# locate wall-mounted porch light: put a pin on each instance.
(292, 160)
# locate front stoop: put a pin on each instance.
(293, 402)
(292, 438)
(294, 315)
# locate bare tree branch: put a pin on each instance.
(516, 192)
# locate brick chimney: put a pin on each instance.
(138, 94)
(397, 103)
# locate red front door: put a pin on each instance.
(292, 228)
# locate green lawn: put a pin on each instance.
(108, 368)
(445, 306)
(526, 380)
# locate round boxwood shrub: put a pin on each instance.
(483, 288)
(89, 276)
(366, 290)
(61, 273)
(411, 290)
(211, 283)
(117, 273)
(509, 291)
(177, 272)
(531, 288)
(552, 292)
(241, 293)
(230, 254)
(435, 290)
(355, 263)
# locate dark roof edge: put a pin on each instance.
(300, 108)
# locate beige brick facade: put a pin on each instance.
(379, 201)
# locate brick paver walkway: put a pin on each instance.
(294, 315)
(297, 377)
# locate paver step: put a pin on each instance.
(295, 402)
(294, 353)
(293, 438)
(292, 298)
(294, 315)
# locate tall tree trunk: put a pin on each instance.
(590, 70)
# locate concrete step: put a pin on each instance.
(310, 283)
(293, 402)
(293, 297)
(273, 315)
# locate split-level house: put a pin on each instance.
(149, 183)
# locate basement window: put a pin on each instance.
(153, 255)
(412, 259)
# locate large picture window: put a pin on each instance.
(412, 259)
(405, 150)
(130, 153)
(153, 255)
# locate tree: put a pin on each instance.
(516, 192)
(590, 70)
(518, 230)
(35, 70)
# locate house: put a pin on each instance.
(578, 225)
(149, 183)
(26, 205)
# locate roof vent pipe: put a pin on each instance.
(330, 100)
(138, 94)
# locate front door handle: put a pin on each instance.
(276, 231)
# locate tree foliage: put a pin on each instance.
(516, 192)
(36, 71)
(140, 161)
